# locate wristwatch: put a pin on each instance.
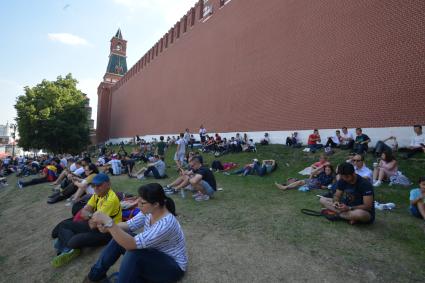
(109, 224)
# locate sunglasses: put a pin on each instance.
(357, 160)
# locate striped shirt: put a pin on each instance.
(165, 235)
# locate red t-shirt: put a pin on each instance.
(312, 139)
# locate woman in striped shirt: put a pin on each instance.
(158, 254)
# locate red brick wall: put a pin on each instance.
(103, 112)
(280, 65)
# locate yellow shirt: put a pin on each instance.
(108, 204)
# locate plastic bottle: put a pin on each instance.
(182, 193)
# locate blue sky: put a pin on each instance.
(44, 39)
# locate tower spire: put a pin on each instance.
(118, 34)
(117, 65)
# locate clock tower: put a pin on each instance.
(117, 65)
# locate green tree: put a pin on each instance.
(52, 116)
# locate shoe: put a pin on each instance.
(69, 202)
(20, 185)
(197, 195)
(65, 258)
(168, 189)
(226, 173)
(202, 198)
(377, 184)
(171, 192)
(53, 195)
(141, 178)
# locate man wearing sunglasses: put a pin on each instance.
(360, 167)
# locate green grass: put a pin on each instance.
(253, 205)
(250, 213)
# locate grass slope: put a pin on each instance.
(249, 232)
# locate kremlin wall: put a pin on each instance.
(274, 66)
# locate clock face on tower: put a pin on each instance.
(118, 47)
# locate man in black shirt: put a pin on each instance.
(361, 142)
(203, 180)
(354, 197)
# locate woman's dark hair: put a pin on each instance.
(330, 167)
(153, 193)
(93, 168)
(388, 155)
(421, 179)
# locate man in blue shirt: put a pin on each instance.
(417, 200)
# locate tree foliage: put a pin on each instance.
(52, 116)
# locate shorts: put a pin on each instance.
(207, 188)
(179, 156)
(313, 184)
(415, 211)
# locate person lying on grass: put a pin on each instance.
(354, 197)
(157, 254)
(75, 233)
(266, 166)
(417, 200)
(319, 179)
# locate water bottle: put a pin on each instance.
(182, 193)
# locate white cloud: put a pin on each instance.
(67, 38)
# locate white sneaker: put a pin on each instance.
(202, 198)
(377, 184)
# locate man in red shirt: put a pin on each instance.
(314, 141)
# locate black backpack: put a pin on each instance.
(216, 165)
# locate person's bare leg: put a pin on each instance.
(60, 178)
(177, 182)
(184, 183)
(357, 215)
(296, 184)
(381, 175)
(280, 186)
(328, 203)
(375, 173)
(291, 185)
(141, 171)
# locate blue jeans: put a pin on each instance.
(360, 148)
(314, 147)
(144, 265)
(244, 171)
(260, 169)
(154, 171)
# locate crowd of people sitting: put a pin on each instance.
(102, 216)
